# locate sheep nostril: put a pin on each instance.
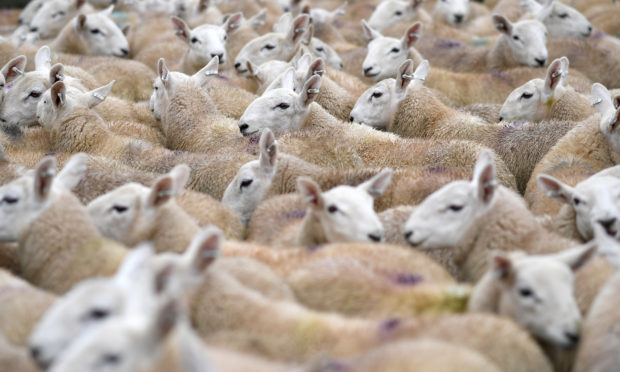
(243, 127)
(367, 70)
(237, 65)
(573, 338)
(124, 51)
(608, 224)
(501, 118)
(35, 352)
(351, 119)
(541, 62)
(374, 237)
(458, 18)
(34, 29)
(408, 235)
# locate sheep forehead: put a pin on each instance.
(209, 30)
(454, 192)
(529, 28)
(543, 272)
(383, 43)
(97, 292)
(278, 95)
(349, 199)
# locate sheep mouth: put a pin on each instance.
(415, 243)
(371, 75)
(248, 134)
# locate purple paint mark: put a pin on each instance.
(498, 75)
(435, 169)
(334, 365)
(390, 324)
(598, 34)
(313, 248)
(222, 77)
(339, 24)
(51, 153)
(408, 279)
(448, 44)
(254, 139)
(295, 214)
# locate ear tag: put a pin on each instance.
(595, 101)
(408, 76)
(60, 76)
(49, 173)
(491, 183)
(319, 72)
(165, 193)
(211, 253)
(299, 29)
(313, 90)
(17, 71)
(98, 96)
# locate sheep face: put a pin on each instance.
(391, 12)
(595, 201)
(447, 215)
(53, 16)
(19, 105)
(272, 46)
(347, 213)
(454, 12)
(386, 54)
(253, 180)
(610, 122)
(376, 106)
(86, 305)
(560, 19)
(537, 292)
(101, 35)
(326, 53)
(29, 11)
(266, 73)
(280, 109)
(526, 40)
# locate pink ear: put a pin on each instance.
(413, 34)
(554, 76)
(502, 267)
(310, 191)
(44, 176)
(233, 22)
(162, 191)
(405, 75)
(81, 22)
(14, 68)
(181, 29)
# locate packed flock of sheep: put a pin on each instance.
(280, 185)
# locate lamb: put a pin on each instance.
(92, 34)
(296, 111)
(415, 111)
(469, 211)
(537, 292)
(53, 15)
(21, 308)
(548, 99)
(520, 43)
(343, 213)
(560, 19)
(591, 202)
(390, 12)
(273, 45)
(36, 210)
(588, 148)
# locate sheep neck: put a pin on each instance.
(311, 231)
(68, 41)
(500, 56)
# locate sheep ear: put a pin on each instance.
(404, 77)
(421, 72)
(310, 90)
(181, 29)
(108, 11)
(412, 35)
(578, 256)
(254, 72)
(283, 23)
(555, 189)
(616, 101)
(416, 3)
(58, 92)
(298, 29)
(203, 5)
(133, 263)
(531, 6)
(316, 68)
(370, 32)
(555, 73)
(268, 150)
(14, 68)
(601, 99)
(307, 38)
(205, 74)
(501, 266)
(161, 192)
(96, 96)
(502, 24)
(163, 72)
(125, 30)
(284, 80)
(485, 178)
(204, 249)
(303, 62)
(44, 176)
(233, 22)
(377, 185)
(78, 3)
(73, 171)
(57, 73)
(310, 192)
(43, 59)
(258, 20)
(80, 23)
(180, 176)
(165, 320)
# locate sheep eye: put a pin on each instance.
(194, 40)
(95, 31)
(225, 37)
(9, 200)
(156, 87)
(455, 208)
(576, 201)
(526, 292)
(59, 14)
(320, 49)
(395, 50)
(246, 183)
(111, 359)
(398, 13)
(268, 47)
(332, 209)
(563, 15)
(98, 314)
(527, 95)
(34, 94)
(119, 208)
(377, 94)
(516, 37)
(283, 106)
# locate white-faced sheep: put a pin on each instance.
(53, 15)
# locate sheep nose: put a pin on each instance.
(374, 237)
(458, 18)
(220, 56)
(608, 223)
(408, 235)
(35, 352)
(501, 118)
(589, 28)
(342, 65)
(124, 51)
(367, 70)
(34, 29)
(20, 21)
(237, 65)
(351, 119)
(540, 61)
(573, 338)
(243, 127)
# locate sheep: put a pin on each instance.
(53, 228)
(53, 15)
(588, 148)
(603, 18)
(560, 19)
(414, 111)
(457, 12)
(547, 99)
(272, 46)
(392, 11)
(533, 290)
(520, 43)
(92, 34)
(591, 202)
(26, 15)
(321, 49)
(470, 210)
(21, 308)
(343, 213)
